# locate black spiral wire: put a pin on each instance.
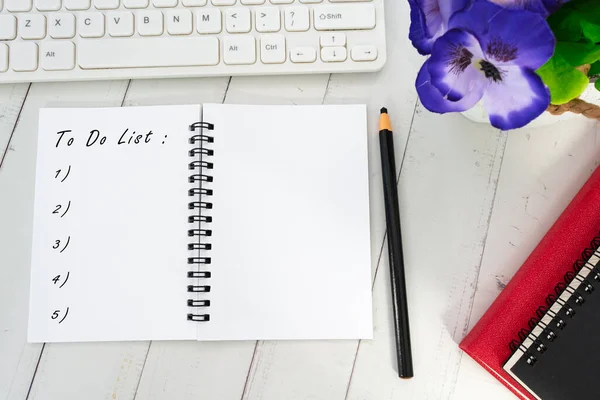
(202, 153)
(567, 308)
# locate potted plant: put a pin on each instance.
(511, 60)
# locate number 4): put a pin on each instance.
(56, 279)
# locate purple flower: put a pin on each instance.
(429, 21)
(489, 53)
(542, 7)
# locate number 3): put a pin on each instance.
(55, 314)
(56, 244)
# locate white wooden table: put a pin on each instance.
(474, 203)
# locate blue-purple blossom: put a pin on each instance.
(429, 21)
(489, 53)
(542, 7)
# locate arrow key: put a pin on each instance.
(303, 55)
(333, 39)
(364, 53)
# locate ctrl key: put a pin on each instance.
(3, 57)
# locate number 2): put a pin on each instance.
(58, 207)
(56, 244)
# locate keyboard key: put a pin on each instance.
(208, 21)
(334, 54)
(239, 49)
(333, 39)
(253, 2)
(311, 1)
(57, 55)
(62, 25)
(267, 19)
(3, 57)
(47, 5)
(297, 19)
(148, 52)
(272, 49)
(18, 5)
(164, 3)
(106, 4)
(344, 16)
(77, 5)
(120, 24)
(135, 3)
(303, 55)
(238, 20)
(8, 27)
(223, 2)
(91, 25)
(23, 56)
(282, 1)
(194, 3)
(179, 22)
(364, 53)
(32, 26)
(150, 23)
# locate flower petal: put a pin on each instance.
(517, 100)
(508, 36)
(432, 99)
(553, 5)
(419, 34)
(429, 20)
(451, 65)
(536, 6)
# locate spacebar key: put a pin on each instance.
(140, 53)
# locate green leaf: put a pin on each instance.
(587, 9)
(595, 70)
(578, 54)
(566, 24)
(597, 84)
(565, 82)
(591, 31)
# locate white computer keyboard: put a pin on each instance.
(57, 40)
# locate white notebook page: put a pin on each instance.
(113, 217)
(291, 249)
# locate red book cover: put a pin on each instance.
(488, 341)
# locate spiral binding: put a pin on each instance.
(567, 308)
(200, 178)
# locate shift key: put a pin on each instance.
(344, 16)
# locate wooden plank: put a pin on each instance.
(216, 370)
(446, 189)
(11, 101)
(19, 359)
(542, 171)
(322, 369)
(113, 370)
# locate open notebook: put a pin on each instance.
(221, 222)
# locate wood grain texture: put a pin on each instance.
(542, 171)
(113, 370)
(446, 190)
(11, 102)
(19, 359)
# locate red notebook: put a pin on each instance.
(488, 341)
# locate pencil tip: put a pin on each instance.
(384, 110)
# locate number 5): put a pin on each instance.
(55, 314)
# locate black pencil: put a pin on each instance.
(396, 258)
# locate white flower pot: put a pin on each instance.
(591, 95)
